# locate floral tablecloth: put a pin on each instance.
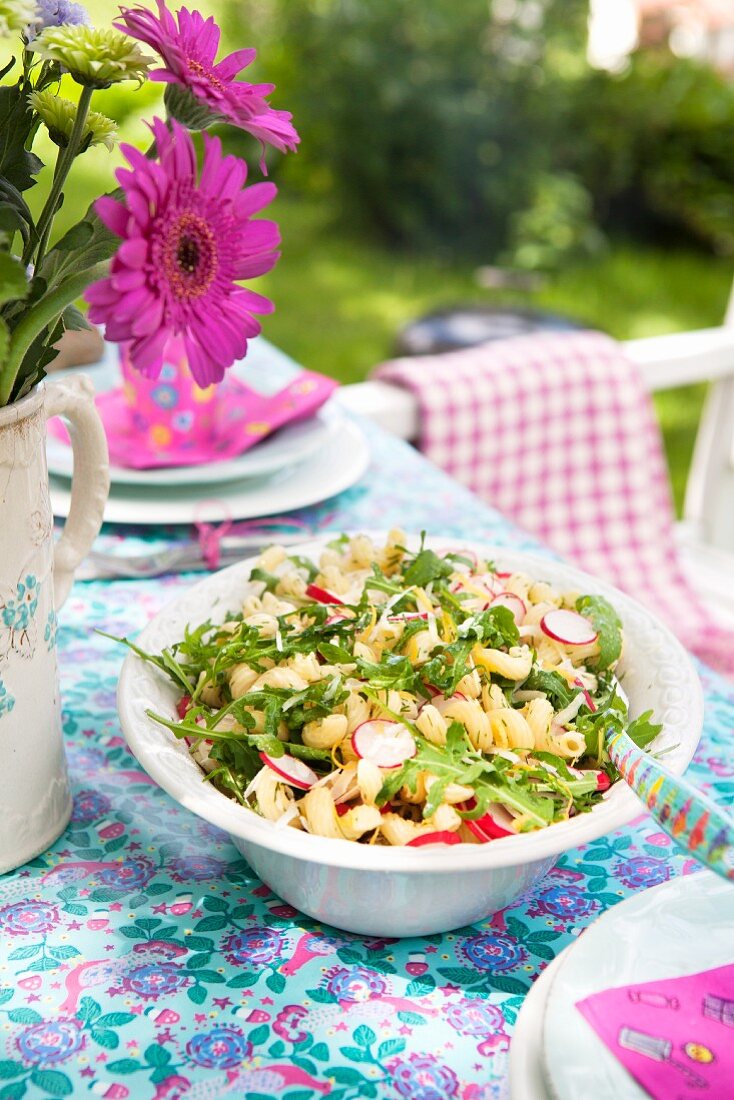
(141, 957)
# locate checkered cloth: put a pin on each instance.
(558, 432)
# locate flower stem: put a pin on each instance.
(43, 314)
(63, 167)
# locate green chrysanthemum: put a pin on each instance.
(58, 114)
(95, 58)
(15, 16)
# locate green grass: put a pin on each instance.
(340, 302)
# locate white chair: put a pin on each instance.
(706, 533)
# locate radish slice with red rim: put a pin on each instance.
(442, 836)
(320, 595)
(513, 604)
(587, 698)
(492, 825)
(291, 771)
(183, 705)
(387, 744)
(568, 627)
(440, 702)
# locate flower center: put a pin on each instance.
(199, 70)
(190, 258)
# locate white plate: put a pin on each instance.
(267, 369)
(340, 462)
(681, 927)
(390, 891)
(526, 1049)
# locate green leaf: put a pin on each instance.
(17, 165)
(132, 932)
(10, 1069)
(412, 1018)
(13, 1091)
(52, 1081)
(15, 215)
(215, 904)
(124, 1065)
(259, 1035)
(25, 952)
(199, 943)
(608, 625)
(197, 994)
(320, 1051)
(421, 987)
(115, 1019)
(6, 994)
(461, 975)
(277, 1049)
(196, 962)
(24, 1016)
(276, 982)
(211, 977)
(426, 567)
(212, 924)
(321, 996)
(243, 981)
(343, 1075)
(508, 985)
(552, 684)
(390, 1047)
(364, 1035)
(110, 1040)
(355, 1054)
(63, 951)
(89, 1011)
(156, 1055)
(69, 256)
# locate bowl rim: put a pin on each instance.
(618, 807)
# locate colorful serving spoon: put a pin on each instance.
(693, 821)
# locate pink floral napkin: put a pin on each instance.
(675, 1036)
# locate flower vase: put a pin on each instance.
(35, 578)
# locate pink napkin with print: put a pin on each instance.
(675, 1036)
(557, 431)
(171, 421)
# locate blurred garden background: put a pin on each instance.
(585, 146)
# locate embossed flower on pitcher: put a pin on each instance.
(17, 611)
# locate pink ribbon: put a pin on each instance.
(210, 535)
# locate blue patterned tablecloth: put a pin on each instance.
(140, 956)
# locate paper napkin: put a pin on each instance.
(675, 1036)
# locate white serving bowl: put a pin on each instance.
(397, 891)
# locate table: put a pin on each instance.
(141, 957)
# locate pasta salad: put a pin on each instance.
(397, 697)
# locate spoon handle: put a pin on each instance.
(687, 815)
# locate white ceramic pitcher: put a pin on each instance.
(35, 579)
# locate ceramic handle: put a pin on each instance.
(73, 398)
(686, 814)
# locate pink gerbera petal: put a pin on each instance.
(188, 237)
(188, 44)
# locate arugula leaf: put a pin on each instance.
(552, 684)
(426, 567)
(268, 579)
(393, 671)
(642, 731)
(608, 625)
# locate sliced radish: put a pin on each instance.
(293, 771)
(492, 825)
(442, 836)
(440, 702)
(183, 705)
(320, 595)
(504, 576)
(589, 701)
(513, 603)
(387, 744)
(337, 617)
(408, 616)
(568, 627)
(603, 782)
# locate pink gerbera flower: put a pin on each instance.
(189, 49)
(187, 239)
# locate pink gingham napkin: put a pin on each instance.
(558, 432)
(676, 1036)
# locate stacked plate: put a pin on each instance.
(681, 927)
(303, 463)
